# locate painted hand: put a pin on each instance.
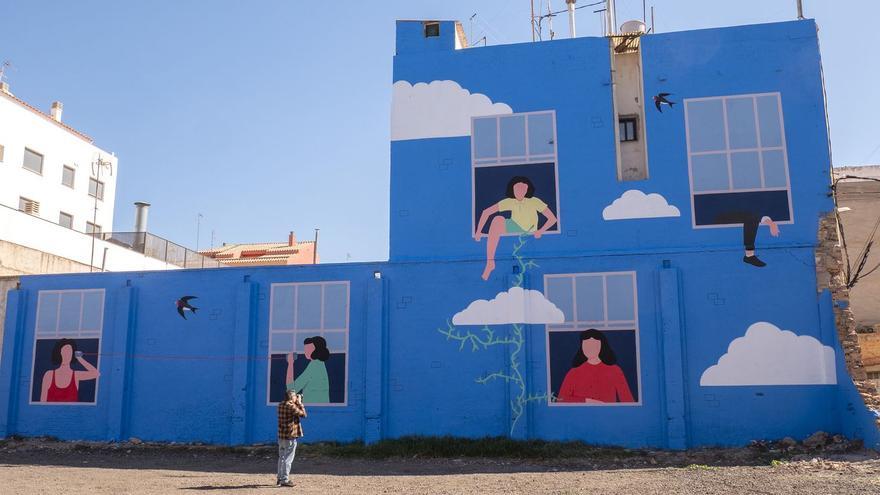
(592, 401)
(478, 236)
(774, 229)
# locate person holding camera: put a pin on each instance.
(289, 430)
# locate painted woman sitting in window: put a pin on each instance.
(594, 377)
(523, 207)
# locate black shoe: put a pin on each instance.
(754, 261)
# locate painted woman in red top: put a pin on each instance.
(62, 383)
(594, 377)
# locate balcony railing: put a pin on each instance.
(160, 249)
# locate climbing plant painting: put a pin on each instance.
(513, 309)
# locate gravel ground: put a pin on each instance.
(37, 467)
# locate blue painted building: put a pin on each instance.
(603, 239)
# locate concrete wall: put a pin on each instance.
(863, 199)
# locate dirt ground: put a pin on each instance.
(37, 467)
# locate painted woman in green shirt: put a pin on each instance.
(313, 382)
(523, 207)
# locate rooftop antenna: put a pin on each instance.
(800, 7)
(652, 19)
(533, 20)
(471, 34)
(571, 24)
(550, 20)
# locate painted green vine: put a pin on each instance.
(515, 338)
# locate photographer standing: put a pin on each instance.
(289, 429)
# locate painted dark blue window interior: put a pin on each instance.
(490, 187)
(300, 311)
(43, 362)
(507, 146)
(736, 148)
(603, 301)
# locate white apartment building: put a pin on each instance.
(56, 188)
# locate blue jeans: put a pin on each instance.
(286, 453)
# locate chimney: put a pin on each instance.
(4, 87)
(571, 24)
(140, 219)
(291, 239)
(57, 108)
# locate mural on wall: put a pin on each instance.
(738, 165)
(767, 355)
(660, 100)
(437, 109)
(515, 307)
(634, 204)
(67, 370)
(524, 209)
(594, 377)
(308, 341)
(183, 306)
(593, 354)
(67, 343)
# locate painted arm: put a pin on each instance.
(302, 381)
(484, 217)
(774, 229)
(288, 380)
(550, 222)
(89, 374)
(566, 391)
(623, 392)
(47, 382)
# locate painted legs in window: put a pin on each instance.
(496, 229)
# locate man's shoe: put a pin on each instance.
(754, 261)
(285, 483)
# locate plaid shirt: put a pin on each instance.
(289, 413)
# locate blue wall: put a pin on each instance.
(205, 378)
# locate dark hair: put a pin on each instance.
(606, 354)
(56, 351)
(321, 352)
(516, 180)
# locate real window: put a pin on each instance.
(318, 311)
(68, 321)
(33, 161)
(65, 220)
(628, 129)
(606, 305)
(92, 228)
(514, 145)
(96, 188)
(29, 206)
(432, 29)
(68, 176)
(737, 157)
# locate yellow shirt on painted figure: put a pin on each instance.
(524, 213)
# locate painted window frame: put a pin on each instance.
(294, 331)
(602, 325)
(80, 335)
(526, 159)
(728, 151)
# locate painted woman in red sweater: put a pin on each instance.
(594, 377)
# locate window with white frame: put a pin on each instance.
(308, 341)
(593, 357)
(519, 145)
(67, 339)
(737, 158)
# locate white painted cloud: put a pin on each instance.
(517, 305)
(766, 355)
(636, 204)
(437, 109)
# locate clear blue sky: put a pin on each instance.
(269, 116)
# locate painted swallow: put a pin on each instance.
(660, 99)
(183, 305)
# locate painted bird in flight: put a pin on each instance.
(660, 99)
(183, 305)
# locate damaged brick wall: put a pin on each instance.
(830, 274)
